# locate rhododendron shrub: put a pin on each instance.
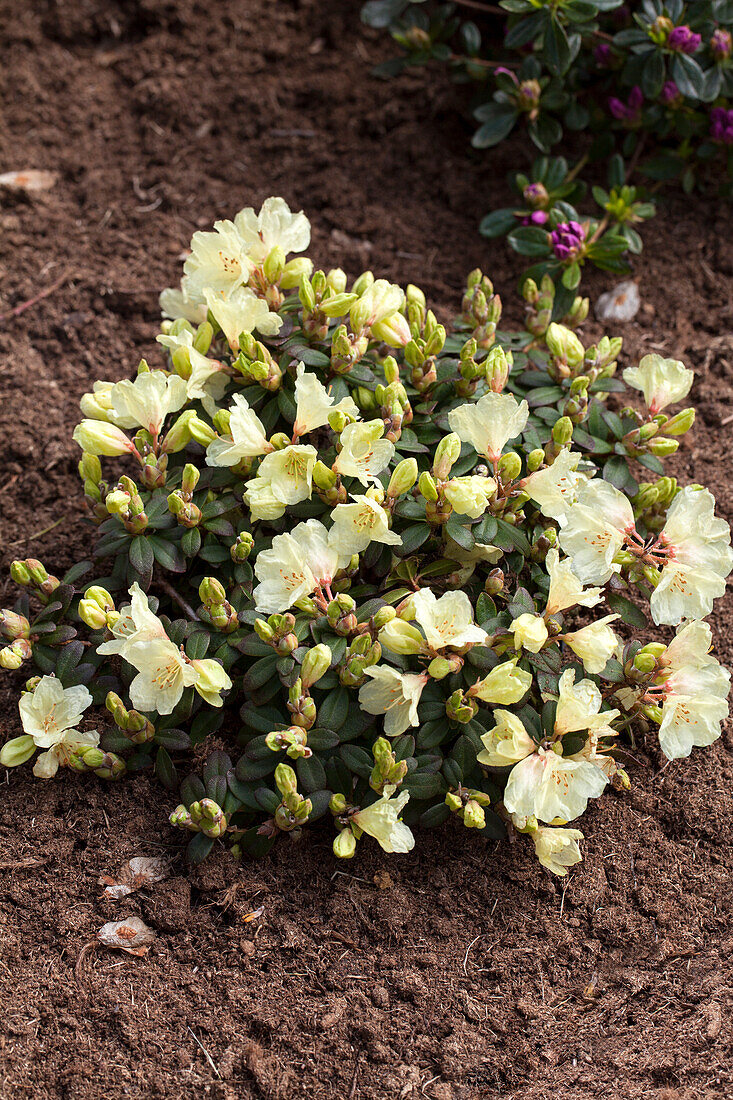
(349, 567)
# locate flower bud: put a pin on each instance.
(535, 459)
(315, 664)
(98, 438)
(562, 431)
(92, 615)
(510, 466)
(286, 779)
(460, 708)
(344, 845)
(494, 582)
(680, 423)
(13, 655)
(274, 264)
(440, 667)
(336, 280)
(201, 432)
(179, 434)
(645, 662)
(662, 447)
(17, 751)
(393, 330)
(364, 281)
(427, 487)
(241, 548)
(385, 615)
(13, 626)
(564, 344)
(211, 591)
(497, 368)
(447, 453)
(473, 815)
(337, 305)
(403, 477)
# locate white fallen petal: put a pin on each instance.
(620, 304)
(131, 935)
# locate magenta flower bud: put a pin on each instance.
(603, 55)
(529, 95)
(721, 44)
(683, 40)
(535, 194)
(567, 240)
(670, 94)
(629, 112)
(721, 125)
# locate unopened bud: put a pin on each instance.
(510, 466)
(344, 845)
(316, 664)
(562, 431)
(428, 487)
(403, 477)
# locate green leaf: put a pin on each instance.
(629, 612)
(460, 534)
(333, 710)
(530, 240)
(498, 223)
(497, 122)
(165, 769)
(556, 47)
(141, 556)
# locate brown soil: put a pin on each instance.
(462, 970)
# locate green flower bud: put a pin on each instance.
(562, 431)
(338, 305)
(286, 779)
(644, 662)
(20, 573)
(201, 432)
(428, 487)
(363, 282)
(535, 459)
(274, 264)
(179, 434)
(510, 466)
(241, 548)
(92, 615)
(344, 845)
(90, 468)
(316, 664)
(385, 615)
(565, 345)
(13, 626)
(336, 280)
(211, 591)
(473, 815)
(447, 453)
(181, 818)
(662, 447)
(403, 477)
(13, 655)
(337, 805)
(17, 751)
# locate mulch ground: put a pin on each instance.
(462, 970)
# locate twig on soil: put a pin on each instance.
(87, 949)
(38, 534)
(17, 310)
(465, 957)
(21, 864)
(208, 1057)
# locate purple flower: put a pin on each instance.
(670, 94)
(567, 240)
(721, 44)
(603, 55)
(629, 112)
(721, 125)
(537, 217)
(683, 40)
